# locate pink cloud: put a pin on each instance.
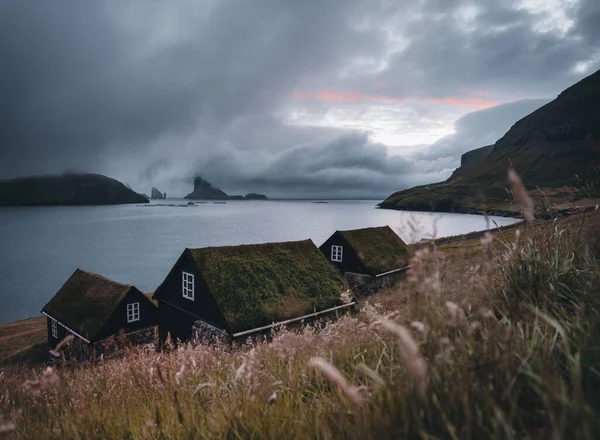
(339, 97)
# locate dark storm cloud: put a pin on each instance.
(154, 92)
(496, 48)
(81, 79)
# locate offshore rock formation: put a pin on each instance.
(156, 194)
(255, 196)
(204, 190)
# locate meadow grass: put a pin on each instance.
(502, 344)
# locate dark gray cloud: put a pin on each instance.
(80, 79)
(153, 92)
(477, 129)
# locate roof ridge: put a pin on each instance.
(251, 244)
(97, 275)
(362, 229)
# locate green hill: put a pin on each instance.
(67, 189)
(556, 149)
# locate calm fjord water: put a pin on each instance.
(40, 247)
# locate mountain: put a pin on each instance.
(156, 194)
(205, 190)
(67, 189)
(555, 150)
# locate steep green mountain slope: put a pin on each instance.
(554, 147)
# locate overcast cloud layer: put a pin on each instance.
(292, 98)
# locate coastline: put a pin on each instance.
(561, 210)
(459, 210)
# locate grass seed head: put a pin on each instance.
(65, 342)
(203, 385)
(413, 361)
(521, 195)
(334, 375)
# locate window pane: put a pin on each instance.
(187, 287)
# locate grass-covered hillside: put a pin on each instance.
(497, 337)
(555, 149)
(67, 189)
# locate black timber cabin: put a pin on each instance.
(369, 258)
(243, 291)
(93, 308)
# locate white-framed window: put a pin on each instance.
(336, 253)
(54, 326)
(187, 286)
(133, 312)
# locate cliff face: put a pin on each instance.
(68, 189)
(555, 146)
(156, 194)
(205, 190)
(474, 157)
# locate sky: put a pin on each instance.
(313, 98)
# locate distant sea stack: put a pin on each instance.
(157, 195)
(255, 196)
(67, 189)
(204, 190)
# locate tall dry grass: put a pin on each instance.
(503, 346)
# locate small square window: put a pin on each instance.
(133, 312)
(188, 285)
(336, 253)
(54, 326)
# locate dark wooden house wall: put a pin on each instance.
(174, 322)
(62, 332)
(118, 320)
(176, 313)
(350, 261)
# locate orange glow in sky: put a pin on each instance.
(344, 97)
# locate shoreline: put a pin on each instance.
(469, 211)
(558, 211)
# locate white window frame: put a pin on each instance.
(54, 328)
(337, 253)
(187, 285)
(133, 312)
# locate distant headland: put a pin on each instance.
(67, 189)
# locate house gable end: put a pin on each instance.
(174, 306)
(147, 314)
(160, 289)
(351, 261)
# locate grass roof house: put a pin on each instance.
(369, 258)
(93, 308)
(241, 290)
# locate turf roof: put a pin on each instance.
(380, 249)
(256, 285)
(85, 302)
